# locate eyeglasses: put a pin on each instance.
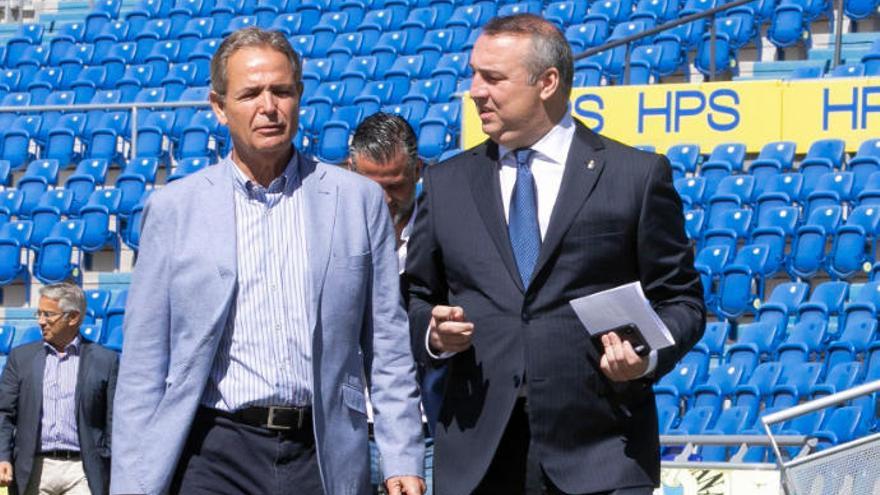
(49, 315)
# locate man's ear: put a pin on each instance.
(217, 104)
(549, 82)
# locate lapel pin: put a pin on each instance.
(591, 165)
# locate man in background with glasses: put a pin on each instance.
(56, 400)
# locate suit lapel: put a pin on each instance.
(319, 198)
(81, 373)
(582, 169)
(218, 217)
(486, 190)
(37, 371)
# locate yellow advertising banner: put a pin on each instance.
(750, 112)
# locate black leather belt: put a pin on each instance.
(61, 454)
(275, 418)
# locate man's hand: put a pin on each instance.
(450, 331)
(5, 473)
(620, 363)
(408, 485)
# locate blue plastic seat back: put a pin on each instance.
(7, 334)
(693, 223)
(692, 188)
(19, 230)
(713, 258)
(97, 301)
(781, 217)
(715, 336)
(790, 295)
(687, 154)
(107, 197)
(730, 153)
(27, 335)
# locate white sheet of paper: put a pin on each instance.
(620, 306)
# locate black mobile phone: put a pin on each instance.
(630, 333)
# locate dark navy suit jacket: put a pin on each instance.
(21, 402)
(617, 219)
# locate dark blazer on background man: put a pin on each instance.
(617, 219)
(21, 402)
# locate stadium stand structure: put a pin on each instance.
(785, 240)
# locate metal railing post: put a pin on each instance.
(712, 50)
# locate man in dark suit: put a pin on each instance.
(56, 400)
(509, 232)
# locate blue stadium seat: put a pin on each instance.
(33, 57)
(852, 69)
(776, 231)
(10, 80)
(831, 189)
(43, 219)
(13, 257)
(44, 82)
(583, 36)
(345, 46)
(133, 80)
(842, 426)
(693, 224)
(97, 232)
(788, 27)
(870, 194)
(715, 337)
(131, 234)
(392, 44)
(611, 12)
(408, 112)
(780, 190)
(843, 376)
(733, 192)
(565, 12)
(728, 229)
(798, 379)
(742, 282)
(678, 384)
(59, 259)
(864, 163)
(783, 302)
(7, 335)
(90, 332)
(10, 203)
(17, 140)
(198, 137)
(691, 189)
(113, 338)
(27, 335)
(106, 197)
(61, 199)
(824, 156)
(238, 23)
(775, 158)
(684, 157)
(710, 262)
(466, 18)
(436, 130)
(758, 388)
(105, 136)
(855, 243)
(808, 248)
(329, 25)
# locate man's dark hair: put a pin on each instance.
(380, 137)
(549, 46)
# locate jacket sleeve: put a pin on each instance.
(391, 369)
(666, 266)
(425, 276)
(143, 368)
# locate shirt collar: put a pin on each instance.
(71, 348)
(285, 182)
(554, 145)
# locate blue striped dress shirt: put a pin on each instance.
(59, 430)
(265, 354)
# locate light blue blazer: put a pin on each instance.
(181, 292)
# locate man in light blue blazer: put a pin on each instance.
(265, 297)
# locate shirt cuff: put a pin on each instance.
(442, 355)
(652, 363)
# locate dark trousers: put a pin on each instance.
(222, 456)
(514, 471)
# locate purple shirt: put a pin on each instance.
(59, 430)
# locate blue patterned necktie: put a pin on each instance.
(522, 226)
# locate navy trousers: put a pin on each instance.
(222, 456)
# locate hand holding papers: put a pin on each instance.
(626, 311)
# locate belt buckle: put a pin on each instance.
(271, 419)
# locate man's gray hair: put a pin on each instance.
(249, 38)
(380, 137)
(70, 296)
(549, 46)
